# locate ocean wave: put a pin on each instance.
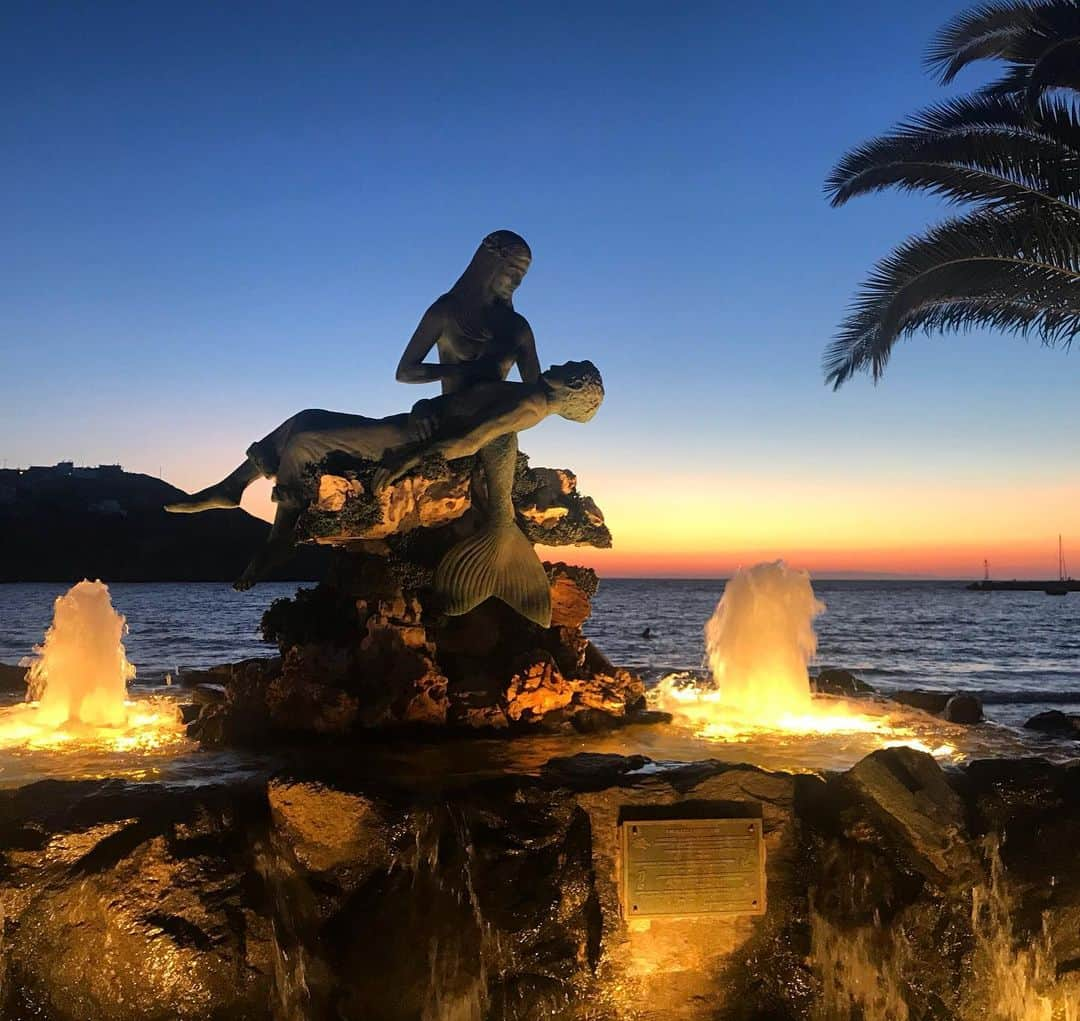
(1028, 697)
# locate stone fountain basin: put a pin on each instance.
(350, 886)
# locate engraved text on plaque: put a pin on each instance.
(692, 867)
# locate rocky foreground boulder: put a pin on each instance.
(371, 648)
(1055, 723)
(12, 678)
(360, 890)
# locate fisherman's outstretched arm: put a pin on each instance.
(466, 439)
(524, 415)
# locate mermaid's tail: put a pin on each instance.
(498, 561)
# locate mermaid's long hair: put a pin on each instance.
(498, 247)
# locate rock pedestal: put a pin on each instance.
(370, 647)
(348, 889)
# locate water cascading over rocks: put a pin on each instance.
(894, 890)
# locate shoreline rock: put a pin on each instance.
(964, 708)
(1055, 723)
(834, 681)
(12, 678)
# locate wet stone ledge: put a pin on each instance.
(344, 889)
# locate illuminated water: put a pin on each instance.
(1010, 645)
(81, 671)
(760, 639)
(1022, 650)
(77, 701)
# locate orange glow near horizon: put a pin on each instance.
(839, 528)
(678, 525)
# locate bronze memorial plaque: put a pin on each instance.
(692, 867)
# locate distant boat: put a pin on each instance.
(1063, 586)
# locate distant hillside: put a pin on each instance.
(66, 523)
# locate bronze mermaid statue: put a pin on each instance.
(498, 560)
(479, 338)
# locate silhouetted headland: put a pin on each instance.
(65, 523)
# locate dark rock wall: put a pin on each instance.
(133, 902)
(338, 894)
(366, 650)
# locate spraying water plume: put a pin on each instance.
(77, 686)
(759, 643)
(760, 640)
(82, 670)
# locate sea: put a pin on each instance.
(1020, 651)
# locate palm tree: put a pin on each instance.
(1010, 153)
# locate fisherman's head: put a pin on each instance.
(497, 268)
(575, 390)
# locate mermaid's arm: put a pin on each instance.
(412, 368)
(466, 436)
(527, 361)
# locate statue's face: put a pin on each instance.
(509, 273)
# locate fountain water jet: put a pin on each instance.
(759, 642)
(82, 670)
(77, 687)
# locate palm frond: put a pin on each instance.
(1019, 273)
(989, 30)
(1012, 151)
(1055, 118)
(1020, 32)
(976, 149)
(1014, 82)
(1058, 67)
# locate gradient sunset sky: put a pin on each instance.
(217, 214)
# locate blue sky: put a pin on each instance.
(216, 214)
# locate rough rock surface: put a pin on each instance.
(351, 664)
(12, 678)
(346, 889)
(345, 508)
(369, 648)
(1055, 723)
(572, 589)
(905, 794)
(133, 902)
(833, 681)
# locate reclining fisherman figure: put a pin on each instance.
(498, 560)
